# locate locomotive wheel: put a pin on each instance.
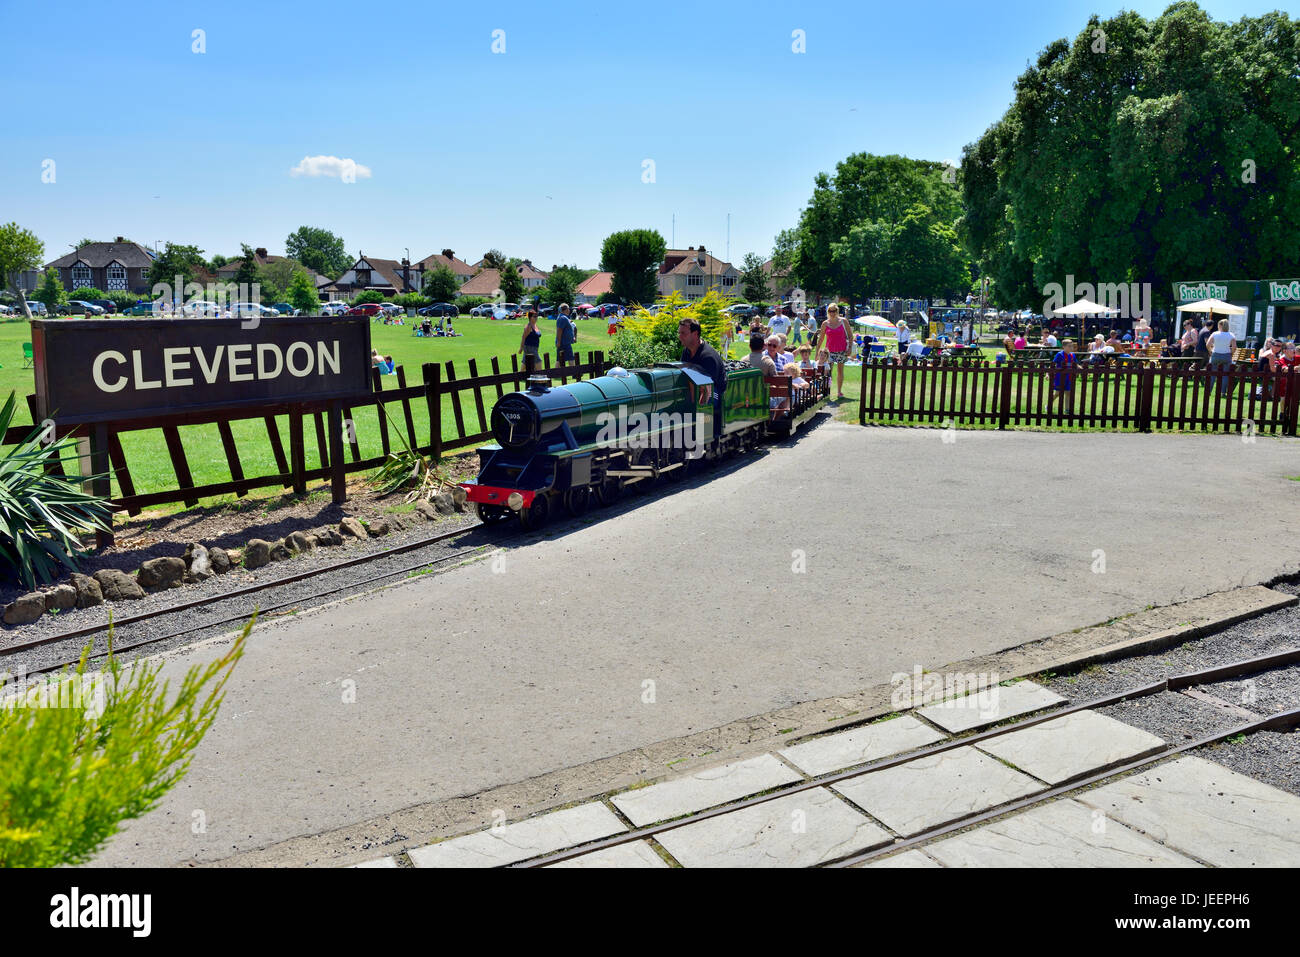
(491, 514)
(609, 491)
(577, 499)
(536, 515)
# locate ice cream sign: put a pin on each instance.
(1284, 291)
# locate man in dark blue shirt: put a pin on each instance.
(699, 353)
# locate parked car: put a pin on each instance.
(285, 309)
(79, 307)
(201, 309)
(440, 309)
(252, 310)
(392, 309)
(139, 309)
(371, 309)
(489, 308)
(108, 305)
(333, 308)
(37, 309)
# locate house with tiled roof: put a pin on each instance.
(533, 277)
(593, 287)
(693, 272)
(462, 270)
(386, 276)
(780, 283)
(486, 283)
(108, 266)
(227, 272)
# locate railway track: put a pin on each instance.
(1185, 684)
(500, 537)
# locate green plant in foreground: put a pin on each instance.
(72, 774)
(41, 513)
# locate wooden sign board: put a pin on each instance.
(100, 370)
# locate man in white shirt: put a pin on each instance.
(778, 323)
(1050, 341)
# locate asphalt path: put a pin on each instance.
(818, 568)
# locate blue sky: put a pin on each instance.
(538, 151)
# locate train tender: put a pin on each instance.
(585, 442)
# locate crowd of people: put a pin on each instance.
(831, 342)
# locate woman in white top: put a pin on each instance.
(1221, 344)
(904, 336)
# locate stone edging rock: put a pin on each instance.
(200, 563)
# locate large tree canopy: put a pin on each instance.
(632, 256)
(872, 194)
(319, 250)
(1145, 151)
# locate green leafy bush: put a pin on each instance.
(41, 514)
(108, 751)
(367, 295)
(87, 294)
(412, 300)
(122, 298)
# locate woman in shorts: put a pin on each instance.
(834, 334)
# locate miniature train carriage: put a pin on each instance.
(589, 440)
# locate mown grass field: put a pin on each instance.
(480, 339)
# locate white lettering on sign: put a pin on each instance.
(265, 349)
(172, 364)
(1187, 292)
(236, 363)
(97, 371)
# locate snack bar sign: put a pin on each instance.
(95, 370)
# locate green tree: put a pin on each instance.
(301, 293)
(1143, 151)
(494, 259)
(753, 278)
(561, 284)
(51, 291)
(367, 295)
(319, 250)
(174, 261)
(512, 286)
(20, 251)
(248, 272)
(633, 256)
(441, 285)
(217, 261)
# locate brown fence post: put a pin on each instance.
(102, 484)
(1146, 383)
(862, 393)
(1004, 396)
(297, 452)
(433, 396)
(338, 465)
(1292, 403)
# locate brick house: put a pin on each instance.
(693, 272)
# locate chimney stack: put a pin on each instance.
(261, 252)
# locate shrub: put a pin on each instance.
(466, 303)
(108, 752)
(662, 328)
(41, 513)
(367, 295)
(122, 298)
(87, 294)
(412, 300)
(632, 350)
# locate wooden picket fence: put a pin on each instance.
(1144, 399)
(334, 424)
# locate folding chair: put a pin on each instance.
(28, 359)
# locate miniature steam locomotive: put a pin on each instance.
(587, 441)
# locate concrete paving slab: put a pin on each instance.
(499, 846)
(870, 742)
(907, 859)
(1202, 809)
(931, 791)
(703, 789)
(798, 830)
(1071, 745)
(382, 862)
(990, 706)
(1061, 833)
(635, 854)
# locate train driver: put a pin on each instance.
(699, 353)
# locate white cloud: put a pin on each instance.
(330, 166)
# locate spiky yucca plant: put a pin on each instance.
(42, 514)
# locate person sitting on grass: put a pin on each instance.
(1066, 362)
